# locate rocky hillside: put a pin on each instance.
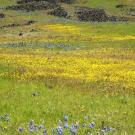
(81, 13)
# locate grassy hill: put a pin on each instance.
(52, 68)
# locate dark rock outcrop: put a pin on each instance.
(60, 12)
(54, 8)
(32, 6)
(29, 1)
(91, 14)
(95, 15)
(50, 1)
(67, 1)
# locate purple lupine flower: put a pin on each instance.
(41, 127)
(20, 129)
(31, 126)
(107, 129)
(73, 130)
(59, 130)
(65, 125)
(91, 125)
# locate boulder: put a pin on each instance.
(2, 15)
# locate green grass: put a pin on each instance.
(102, 101)
(108, 5)
(53, 103)
(7, 2)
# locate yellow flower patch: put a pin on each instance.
(62, 33)
(80, 67)
(61, 28)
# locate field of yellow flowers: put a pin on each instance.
(68, 79)
(80, 66)
(63, 33)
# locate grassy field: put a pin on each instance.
(60, 67)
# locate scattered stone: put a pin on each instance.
(30, 22)
(20, 34)
(33, 30)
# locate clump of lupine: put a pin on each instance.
(34, 128)
(62, 127)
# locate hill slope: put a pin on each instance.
(62, 75)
